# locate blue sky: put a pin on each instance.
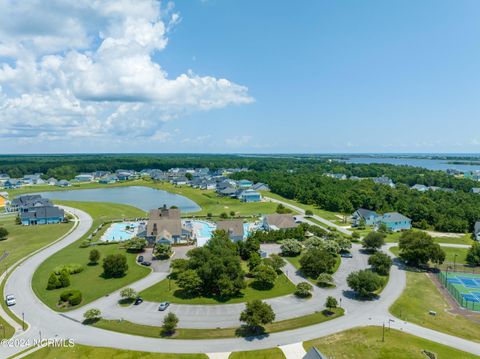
(308, 76)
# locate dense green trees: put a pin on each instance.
(190, 282)
(135, 244)
(316, 261)
(128, 294)
(247, 247)
(257, 314)
(325, 280)
(380, 262)
(373, 241)
(265, 276)
(115, 265)
(331, 303)
(216, 264)
(364, 282)
(162, 251)
(473, 255)
(418, 248)
(291, 248)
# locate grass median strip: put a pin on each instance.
(215, 333)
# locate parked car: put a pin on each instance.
(346, 255)
(10, 300)
(138, 301)
(163, 306)
(140, 259)
(146, 264)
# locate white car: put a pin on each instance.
(10, 300)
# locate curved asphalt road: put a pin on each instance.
(48, 324)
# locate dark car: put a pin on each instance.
(146, 264)
(163, 306)
(346, 255)
(140, 259)
(138, 301)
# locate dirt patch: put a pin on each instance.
(445, 234)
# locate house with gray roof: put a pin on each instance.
(45, 214)
(260, 187)
(369, 217)
(278, 221)
(420, 187)
(234, 229)
(165, 226)
(396, 221)
(384, 180)
(476, 231)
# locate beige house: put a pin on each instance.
(234, 229)
(165, 226)
(273, 222)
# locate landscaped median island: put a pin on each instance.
(90, 279)
(367, 342)
(123, 326)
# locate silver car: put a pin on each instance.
(163, 306)
(10, 300)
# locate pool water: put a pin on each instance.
(120, 232)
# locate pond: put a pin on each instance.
(145, 198)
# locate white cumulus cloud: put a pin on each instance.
(85, 68)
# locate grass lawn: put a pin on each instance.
(420, 296)
(217, 333)
(331, 216)
(89, 282)
(23, 240)
(367, 342)
(450, 253)
(274, 353)
(81, 352)
(296, 263)
(159, 292)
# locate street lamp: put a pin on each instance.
(23, 321)
(454, 262)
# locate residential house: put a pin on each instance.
(179, 181)
(234, 229)
(47, 214)
(4, 177)
(27, 200)
(420, 187)
(384, 181)
(125, 175)
(396, 222)
(475, 190)
(227, 192)
(249, 195)
(13, 183)
(52, 181)
(84, 177)
(208, 184)
(370, 217)
(63, 183)
(314, 353)
(3, 199)
(244, 184)
(278, 221)
(165, 226)
(339, 176)
(260, 187)
(476, 231)
(108, 179)
(33, 179)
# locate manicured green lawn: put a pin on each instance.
(331, 216)
(296, 263)
(90, 282)
(420, 296)
(217, 333)
(274, 353)
(23, 240)
(160, 292)
(366, 342)
(82, 352)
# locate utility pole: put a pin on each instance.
(383, 333)
(23, 321)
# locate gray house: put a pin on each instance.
(476, 232)
(234, 229)
(370, 217)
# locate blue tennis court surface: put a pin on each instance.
(464, 287)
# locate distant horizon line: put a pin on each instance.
(250, 154)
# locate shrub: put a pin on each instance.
(308, 213)
(291, 248)
(169, 324)
(92, 315)
(94, 256)
(115, 265)
(64, 278)
(73, 297)
(331, 303)
(69, 268)
(3, 233)
(53, 282)
(303, 290)
(128, 293)
(473, 255)
(380, 262)
(325, 280)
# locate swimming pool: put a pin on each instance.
(120, 232)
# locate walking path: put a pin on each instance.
(45, 323)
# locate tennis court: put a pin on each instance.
(464, 287)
